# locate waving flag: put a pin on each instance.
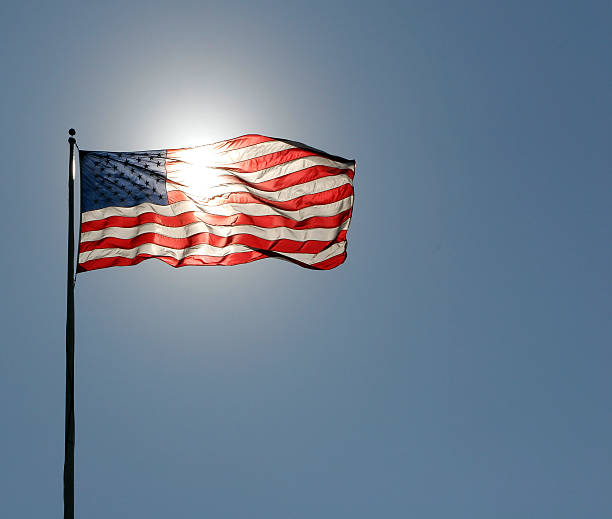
(226, 203)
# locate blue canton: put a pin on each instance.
(122, 179)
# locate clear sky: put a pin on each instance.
(456, 366)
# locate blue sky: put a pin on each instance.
(457, 365)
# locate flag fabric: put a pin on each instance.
(227, 203)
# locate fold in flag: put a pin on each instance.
(226, 203)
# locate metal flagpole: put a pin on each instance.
(69, 426)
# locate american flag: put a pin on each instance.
(226, 203)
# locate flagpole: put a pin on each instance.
(69, 425)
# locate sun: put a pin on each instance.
(196, 170)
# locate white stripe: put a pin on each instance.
(251, 209)
(204, 250)
(274, 233)
(247, 153)
(201, 193)
(266, 210)
(159, 250)
(207, 156)
(291, 166)
(184, 175)
(228, 157)
(310, 259)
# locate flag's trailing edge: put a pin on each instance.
(226, 203)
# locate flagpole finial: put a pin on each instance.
(72, 133)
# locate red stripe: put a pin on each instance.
(325, 197)
(240, 142)
(231, 144)
(236, 258)
(254, 242)
(326, 222)
(231, 259)
(292, 179)
(268, 161)
(330, 263)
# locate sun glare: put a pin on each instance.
(197, 168)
